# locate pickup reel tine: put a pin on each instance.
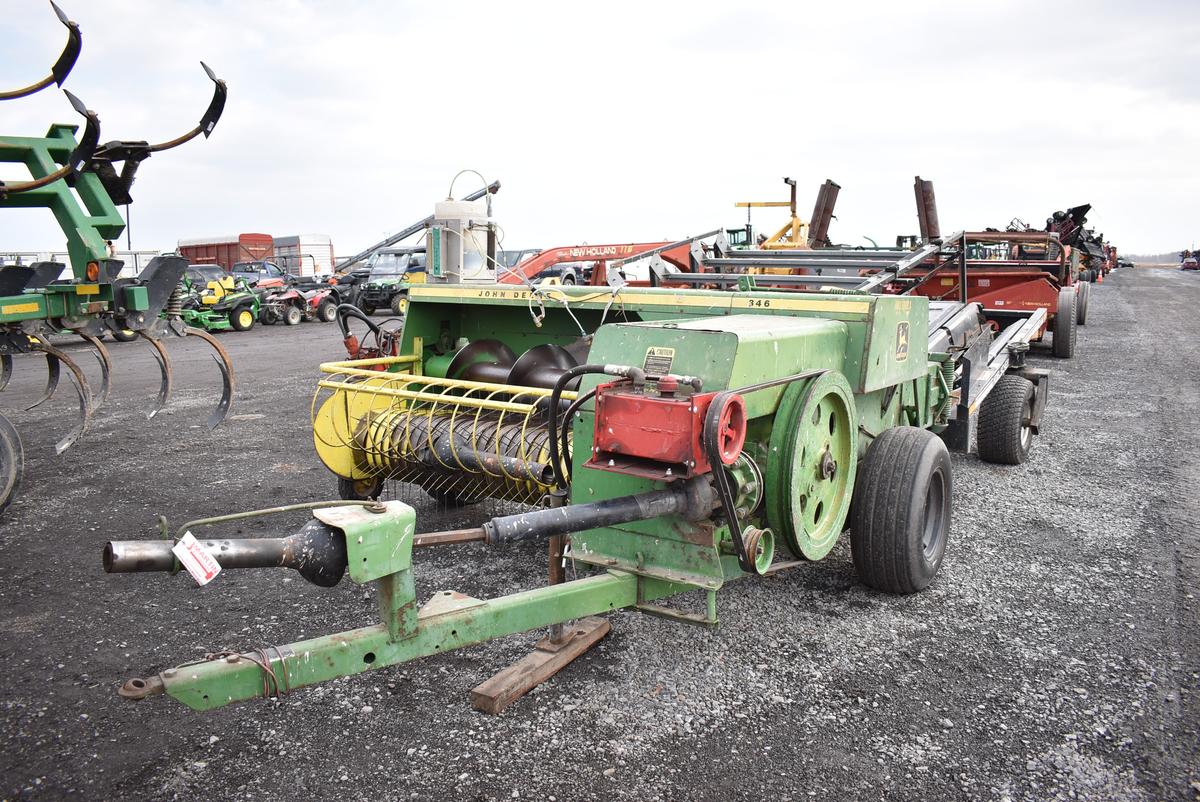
(82, 387)
(62, 68)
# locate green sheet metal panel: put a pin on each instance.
(726, 352)
(897, 343)
(887, 346)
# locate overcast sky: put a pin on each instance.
(629, 121)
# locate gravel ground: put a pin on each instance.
(1055, 657)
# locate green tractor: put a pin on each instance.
(217, 301)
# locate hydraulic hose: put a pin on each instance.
(563, 442)
(350, 310)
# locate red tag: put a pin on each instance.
(196, 559)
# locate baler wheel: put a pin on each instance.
(1081, 303)
(811, 464)
(900, 519)
(1005, 434)
(1064, 324)
(359, 489)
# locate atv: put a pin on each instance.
(215, 303)
(292, 305)
(392, 271)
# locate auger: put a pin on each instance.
(79, 182)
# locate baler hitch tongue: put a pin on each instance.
(62, 67)
(138, 688)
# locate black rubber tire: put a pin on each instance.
(1093, 275)
(900, 516)
(292, 315)
(327, 311)
(1083, 293)
(359, 490)
(1064, 324)
(367, 309)
(235, 321)
(123, 335)
(1005, 437)
(12, 463)
(569, 279)
(399, 304)
(267, 317)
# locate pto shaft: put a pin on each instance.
(316, 551)
(693, 500)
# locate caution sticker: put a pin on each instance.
(902, 341)
(658, 360)
(195, 558)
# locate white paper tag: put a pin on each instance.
(195, 558)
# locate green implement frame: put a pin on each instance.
(83, 183)
(86, 228)
(819, 378)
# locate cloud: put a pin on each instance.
(631, 121)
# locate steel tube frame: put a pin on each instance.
(218, 682)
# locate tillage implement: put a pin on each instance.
(82, 182)
(665, 442)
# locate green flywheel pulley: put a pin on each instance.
(811, 464)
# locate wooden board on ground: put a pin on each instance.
(546, 660)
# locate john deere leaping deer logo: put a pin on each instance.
(902, 341)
